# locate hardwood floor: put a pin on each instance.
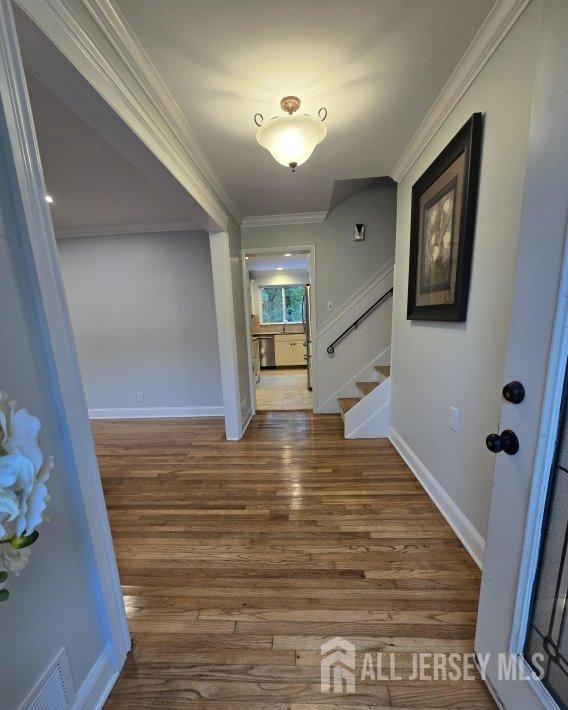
(238, 559)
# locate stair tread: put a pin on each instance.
(366, 387)
(383, 370)
(347, 403)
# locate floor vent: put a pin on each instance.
(55, 689)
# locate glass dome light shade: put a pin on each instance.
(291, 139)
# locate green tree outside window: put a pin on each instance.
(281, 304)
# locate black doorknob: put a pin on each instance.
(507, 441)
(514, 392)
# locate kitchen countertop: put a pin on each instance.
(276, 332)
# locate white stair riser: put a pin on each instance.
(348, 389)
(370, 417)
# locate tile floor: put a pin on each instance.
(283, 389)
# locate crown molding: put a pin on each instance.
(492, 32)
(270, 220)
(97, 40)
(118, 229)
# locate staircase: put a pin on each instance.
(367, 415)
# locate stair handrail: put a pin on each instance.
(331, 348)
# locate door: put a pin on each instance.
(519, 518)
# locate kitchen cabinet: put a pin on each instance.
(290, 349)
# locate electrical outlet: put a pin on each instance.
(330, 306)
(454, 418)
(140, 396)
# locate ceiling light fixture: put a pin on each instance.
(291, 139)
(288, 254)
(279, 268)
(49, 199)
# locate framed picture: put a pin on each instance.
(442, 228)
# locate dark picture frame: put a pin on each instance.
(442, 229)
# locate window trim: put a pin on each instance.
(261, 311)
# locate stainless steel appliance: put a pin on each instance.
(307, 321)
(266, 347)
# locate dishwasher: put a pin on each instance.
(266, 347)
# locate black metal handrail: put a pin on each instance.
(331, 348)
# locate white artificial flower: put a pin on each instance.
(16, 471)
(3, 413)
(38, 498)
(23, 477)
(21, 437)
(9, 508)
(36, 504)
(12, 560)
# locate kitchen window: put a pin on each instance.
(281, 304)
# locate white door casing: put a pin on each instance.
(226, 334)
(42, 261)
(536, 356)
(269, 250)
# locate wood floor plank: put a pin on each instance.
(239, 559)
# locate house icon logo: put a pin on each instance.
(337, 666)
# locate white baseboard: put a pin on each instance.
(348, 389)
(370, 417)
(471, 539)
(96, 687)
(155, 412)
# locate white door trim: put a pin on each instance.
(246, 295)
(43, 265)
(293, 250)
(226, 333)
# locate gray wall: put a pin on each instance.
(437, 365)
(52, 603)
(342, 265)
(143, 317)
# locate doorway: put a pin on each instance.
(279, 292)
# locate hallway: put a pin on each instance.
(239, 558)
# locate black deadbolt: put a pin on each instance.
(507, 441)
(514, 392)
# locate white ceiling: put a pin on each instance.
(377, 65)
(95, 188)
(103, 178)
(271, 262)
